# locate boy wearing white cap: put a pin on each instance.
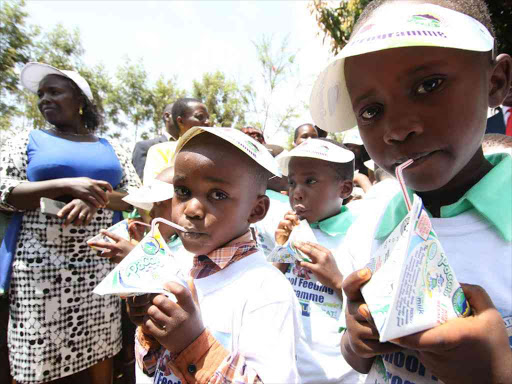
(320, 173)
(442, 74)
(244, 325)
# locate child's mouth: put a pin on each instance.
(418, 158)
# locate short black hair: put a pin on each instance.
(344, 171)
(296, 134)
(477, 9)
(180, 107)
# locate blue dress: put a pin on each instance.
(57, 326)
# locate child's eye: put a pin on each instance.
(310, 181)
(429, 85)
(291, 182)
(217, 195)
(370, 112)
(181, 192)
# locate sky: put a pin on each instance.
(187, 39)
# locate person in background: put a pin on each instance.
(186, 113)
(255, 133)
(57, 327)
(320, 173)
(436, 54)
(140, 152)
(501, 122)
(304, 132)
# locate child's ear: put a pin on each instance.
(500, 80)
(346, 188)
(260, 209)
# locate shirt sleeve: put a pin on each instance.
(206, 361)
(147, 352)
(13, 168)
(130, 179)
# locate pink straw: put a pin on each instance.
(400, 178)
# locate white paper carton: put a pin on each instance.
(144, 270)
(119, 229)
(413, 288)
(287, 253)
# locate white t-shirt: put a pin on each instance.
(477, 254)
(322, 318)
(250, 308)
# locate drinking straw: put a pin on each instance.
(400, 178)
(170, 223)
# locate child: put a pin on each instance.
(244, 326)
(320, 173)
(441, 75)
(304, 132)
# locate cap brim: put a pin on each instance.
(32, 74)
(145, 196)
(390, 27)
(238, 139)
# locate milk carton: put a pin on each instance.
(120, 229)
(288, 253)
(144, 270)
(413, 288)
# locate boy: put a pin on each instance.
(431, 106)
(320, 173)
(243, 327)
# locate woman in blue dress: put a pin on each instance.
(58, 327)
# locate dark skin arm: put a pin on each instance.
(27, 195)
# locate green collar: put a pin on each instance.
(335, 225)
(277, 196)
(491, 197)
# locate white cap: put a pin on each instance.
(392, 25)
(316, 149)
(352, 136)
(145, 196)
(32, 74)
(240, 140)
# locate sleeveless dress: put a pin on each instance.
(57, 325)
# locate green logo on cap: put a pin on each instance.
(426, 20)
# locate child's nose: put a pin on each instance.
(194, 209)
(402, 125)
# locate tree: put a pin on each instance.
(277, 65)
(225, 101)
(15, 45)
(338, 22)
(164, 92)
(132, 96)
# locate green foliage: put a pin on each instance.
(277, 64)
(226, 103)
(337, 23)
(164, 92)
(131, 95)
(501, 15)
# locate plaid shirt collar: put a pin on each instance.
(222, 257)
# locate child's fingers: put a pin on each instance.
(183, 295)
(102, 244)
(352, 284)
(477, 297)
(292, 218)
(315, 251)
(111, 235)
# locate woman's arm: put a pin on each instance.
(116, 202)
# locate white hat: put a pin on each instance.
(240, 140)
(32, 74)
(392, 25)
(145, 196)
(316, 149)
(352, 136)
